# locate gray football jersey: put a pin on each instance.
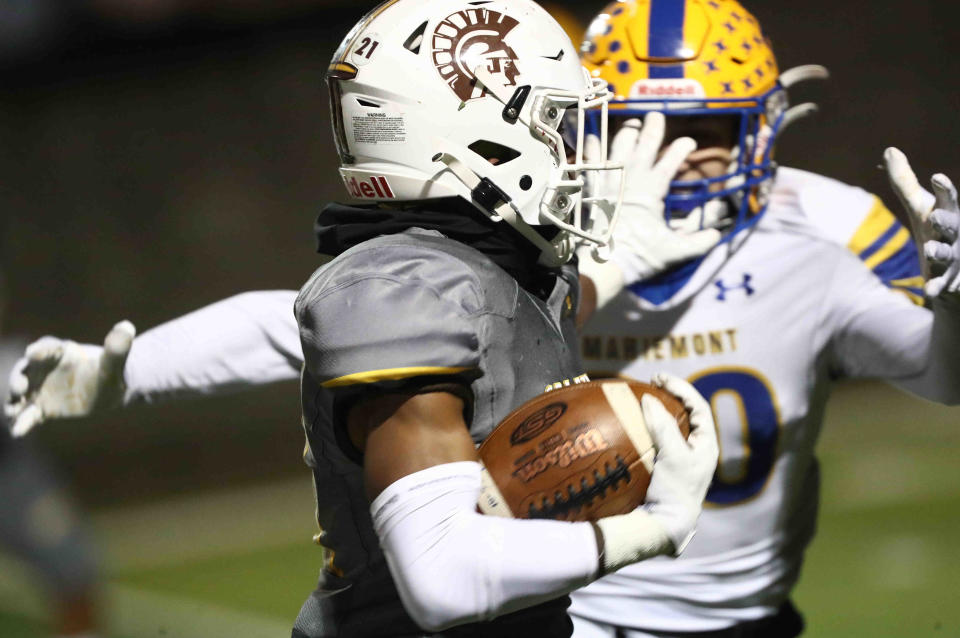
(393, 309)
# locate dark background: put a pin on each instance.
(158, 155)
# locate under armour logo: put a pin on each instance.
(723, 289)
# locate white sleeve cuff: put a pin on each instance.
(630, 538)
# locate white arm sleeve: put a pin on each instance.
(453, 565)
(940, 379)
(247, 340)
(878, 333)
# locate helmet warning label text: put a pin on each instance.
(379, 128)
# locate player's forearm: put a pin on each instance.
(453, 565)
(599, 283)
(244, 341)
(940, 379)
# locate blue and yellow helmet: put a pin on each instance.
(698, 58)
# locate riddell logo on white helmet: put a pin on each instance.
(373, 187)
(679, 87)
(466, 39)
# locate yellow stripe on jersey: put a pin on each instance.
(875, 224)
(903, 285)
(912, 296)
(389, 374)
(329, 556)
(912, 282)
(895, 243)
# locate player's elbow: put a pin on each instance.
(431, 618)
(435, 610)
(448, 596)
(440, 551)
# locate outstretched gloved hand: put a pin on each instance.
(643, 243)
(58, 378)
(934, 220)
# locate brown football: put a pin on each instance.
(578, 453)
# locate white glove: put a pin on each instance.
(934, 221)
(643, 243)
(683, 469)
(57, 378)
(681, 475)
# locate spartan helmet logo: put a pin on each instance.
(469, 38)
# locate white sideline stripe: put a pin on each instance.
(135, 612)
(625, 405)
(138, 613)
(206, 524)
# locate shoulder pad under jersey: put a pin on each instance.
(398, 307)
(856, 219)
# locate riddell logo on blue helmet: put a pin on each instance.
(679, 87)
(373, 187)
(467, 39)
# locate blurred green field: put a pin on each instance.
(885, 562)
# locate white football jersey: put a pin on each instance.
(761, 328)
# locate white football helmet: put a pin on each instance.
(441, 98)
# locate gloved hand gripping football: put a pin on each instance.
(682, 473)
